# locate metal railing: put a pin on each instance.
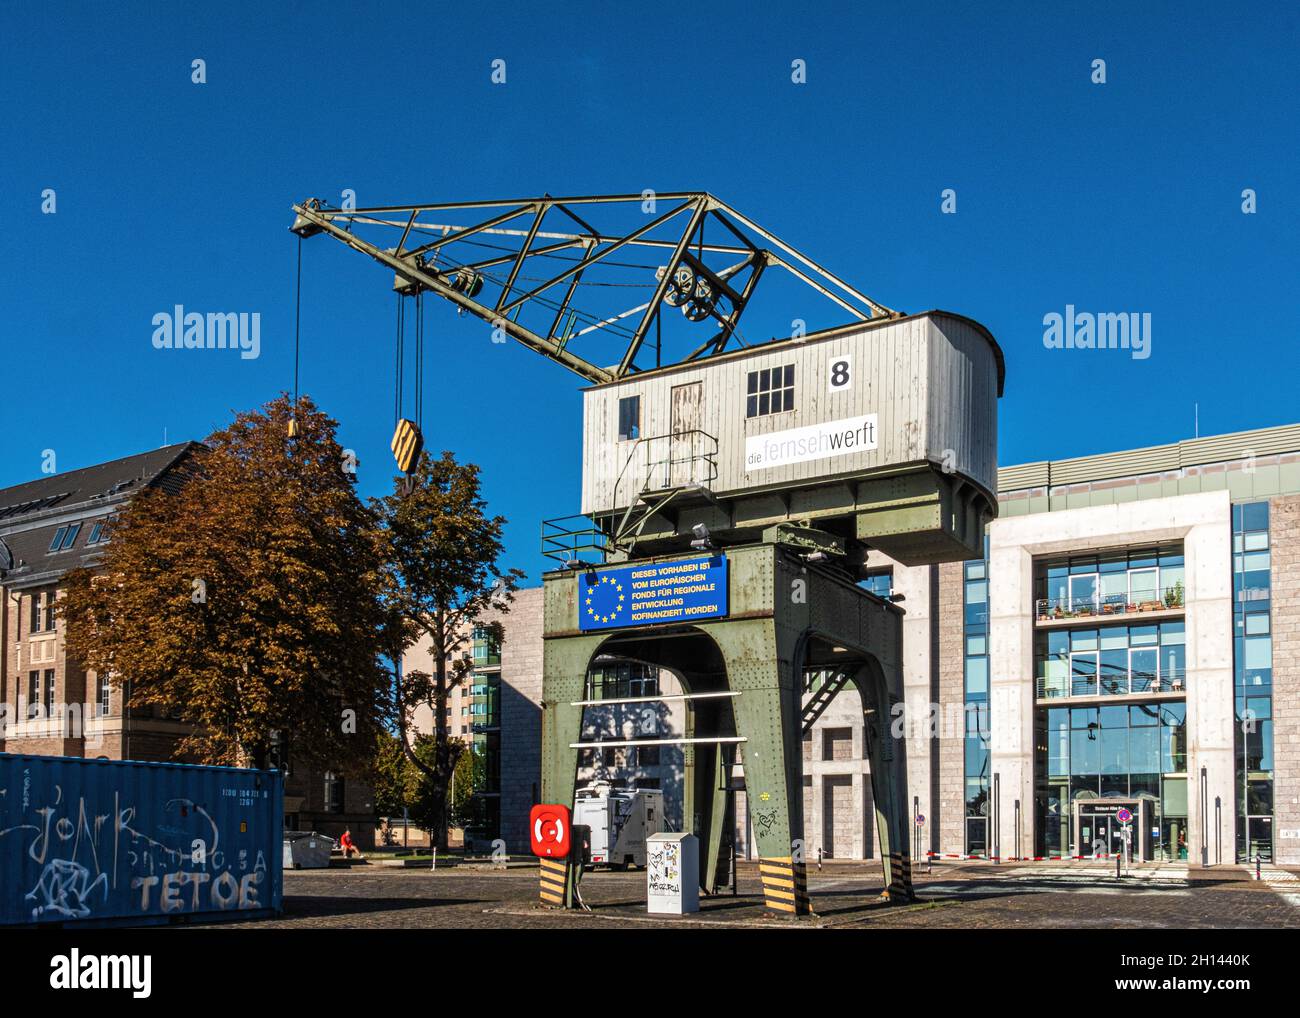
(1132, 684)
(566, 538)
(1106, 605)
(661, 462)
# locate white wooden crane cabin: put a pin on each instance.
(883, 433)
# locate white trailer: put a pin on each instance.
(621, 819)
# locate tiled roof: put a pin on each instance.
(32, 512)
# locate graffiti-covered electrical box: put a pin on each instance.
(125, 842)
(672, 874)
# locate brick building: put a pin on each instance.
(497, 712)
(51, 705)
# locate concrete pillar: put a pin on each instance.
(856, 800)
(919, 688)
(1207, 552)
(1011, 695)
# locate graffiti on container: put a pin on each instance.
(64, 888)
(83, 854)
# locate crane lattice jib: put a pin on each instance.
(588, 281)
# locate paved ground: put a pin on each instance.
(971, 895)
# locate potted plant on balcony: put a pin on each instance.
(1174, 596)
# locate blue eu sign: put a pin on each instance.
(682, 591)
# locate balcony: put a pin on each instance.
(1162, 601)
(1171, 683)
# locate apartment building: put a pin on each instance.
(53, 706)
(49, 527)
(497, 712)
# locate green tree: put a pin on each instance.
(403, 789)
(248, 601)
(467, 781)
(442, 550)
(396, 780)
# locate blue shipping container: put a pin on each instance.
(133, 841)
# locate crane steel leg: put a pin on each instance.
(888, 783)
(768, 716)
(564, 682)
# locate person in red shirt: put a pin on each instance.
(349, 846)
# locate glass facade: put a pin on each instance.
(1131, 752)
(1112, 751)
(1115, 582)
(1253, 679)
(1111, 660)
(484, 709)
(485, 651)
(975, 670)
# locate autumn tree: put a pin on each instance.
(248, 602)
(442, 551)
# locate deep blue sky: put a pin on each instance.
(1119, 197)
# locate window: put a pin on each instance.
(98, 533)
(1253, 664)
(64, 537)
(103, 693)
(976, 751)
(34, 694)
(629, 418)
(36, 616)
(770, 391)
(644, 684)
(278, 752)
(49, 611)
(333, 792)
(486, 650)
(49, 692)
(647, 756)
(619, 681)
(881, 584)
(1113, 660)
(1113, 582)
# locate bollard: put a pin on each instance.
(1117, 861)
(1257, 868)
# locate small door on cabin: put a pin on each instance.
(684, 446)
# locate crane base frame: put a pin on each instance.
(785, 617)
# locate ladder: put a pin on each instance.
(828, 682)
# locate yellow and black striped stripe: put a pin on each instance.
(900, 877)
(553, 881)
(407, 443)
(785, 886)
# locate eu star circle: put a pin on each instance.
(604, 600)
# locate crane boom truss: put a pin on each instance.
(709, 280)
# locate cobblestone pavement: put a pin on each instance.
(966, 896)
